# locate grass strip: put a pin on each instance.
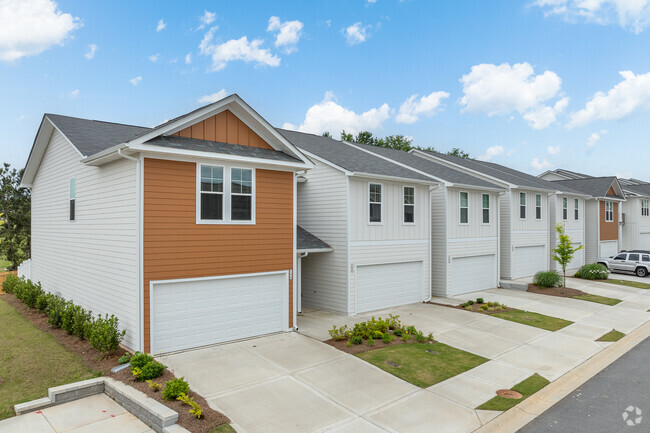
(597, 299)
(627, 283)
(526, 388)
(612, 336)
(533, 319)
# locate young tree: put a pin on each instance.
(563, 253)
(15, 215)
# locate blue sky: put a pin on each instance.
(534, 85)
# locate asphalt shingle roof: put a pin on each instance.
(593, 186)
(349, 158)
(640, 189)
(307, 241)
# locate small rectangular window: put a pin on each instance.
(609, 212)
(464, 208)
(576, 209)
(486, 208)
(633, 257)
(374, 200)
(645, 258)
(565, 208)
(241, 194)
(211, 192)
(522, 205)
(73, 197)
(645, 208)
(538, 206)
(409, 204)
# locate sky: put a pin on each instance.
(535, 85)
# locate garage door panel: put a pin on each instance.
(644, 241)
(470, 274)
(388, 285)
(529, 260)
(188, 314)
(608, 249)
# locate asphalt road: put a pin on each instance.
(598, 405)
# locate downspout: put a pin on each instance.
(431, 188)
(501, 194)
(138, 185)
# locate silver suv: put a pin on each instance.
(635, 262)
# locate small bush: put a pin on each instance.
(10, 283)
(174, 388)
(196, 408)
(547, 279)
(484, 307)
(479, 300)
(406, 337)
(154, 385)
(124, 358)
(54, 311)
(81, 320)
(387, 338)
(67, 316)
(377, 335)
(595, 271)
(420, 338)
(28, 292)
(104, 334)
(468, 307)
(140, 360)
(151, 371)
(136, 372)
(357, 339)
(42, 301)
(338, 334)
(398, 332)
(371, 341)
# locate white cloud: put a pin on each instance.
(74, 93)
(236, 49)
(629, 14)
(502, 89)
(628, 96)
(371, 1)
(539, 165)
(287, 34)
(356, 33)
(92, 49)
(553, 150)
(161, 25)
(21, 118)
(594, 137)
(328, 23)
(327, 115)
(188, 58)
(213, 97)
(411, 109)
(154, 58)
(135, 81)
(29, 27)
(491, 152)
(206, 19)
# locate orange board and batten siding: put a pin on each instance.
(224, 127)
(608, 230)
(176, 247)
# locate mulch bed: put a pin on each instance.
(363, 347)
(476, 308)
(211, 418)
(562, 292)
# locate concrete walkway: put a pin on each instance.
(96, 414)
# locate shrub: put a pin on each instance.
(387, 338)
(136, 372)
(124, 358)
(55, 307)
(595, 271)
(484, 307)
(479, 300)
(371, 341)
(546, 279)
(42, 301)
(394, 322)
(174, 388)
(28, 292)
(10, 283)
(104, 334)
(154, 385)
(357, 339)
(468, 307)
(81, 320)
(196, 408)
(470, 302)
(378, 335)
(420, 338)
(139, 360)
(406, 337)
(151, 371)
(339, 334)
(67, 316)
(398, 332)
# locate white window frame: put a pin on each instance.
(576, 209)
(380, 203)
(524, 206)
(541, 203)
(227, 188)
(565, 208)
(404, 204)
(645, 210)
(483, 209)
(610, 212)
(72, 196)
(460, 207)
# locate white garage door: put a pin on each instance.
(194, 313)
(470, 274)
(608, 248)
(388, 285)
(529, 260)
(578, 259)
(644, 241)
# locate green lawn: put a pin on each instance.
(223, 428)
(526, 388)
(598, 299)
(627, 283)
(418, 366)
(533, 319)
(31, 361)
(612, 335)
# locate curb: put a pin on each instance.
(529, 409)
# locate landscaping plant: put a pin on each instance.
(151, 371)
(154, 385)
(595, 271)
(42, 301)
(124, 358)
(10, 283)
(196, 408)
(54, 311)
(546, 279)
(104, 334)
(564, 251)
(140, 360)
(174, 388)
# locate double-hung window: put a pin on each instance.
(538, 206)
(374, 203)
(464, 208)
(241, 194)
(212, 192)
(565, 208)
(522, 205)
(409, 204)
(73, 197)
(609, 212)
(576, 209)
(486, 208)
(226, 194)
(645, 208)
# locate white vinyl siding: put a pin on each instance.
(592, 234)
(506, 205)
(93, 262)
(439, 235)
(475, 228)
(574, 228)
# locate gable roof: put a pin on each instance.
(438, 171)
(594, 186)
(354, 161)
(307, 242)
(642, 189)
(567, 174)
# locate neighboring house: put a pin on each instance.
(464, 225)
(375, 215)
(526, 213)
(186, 231)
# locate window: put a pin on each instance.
(464, 208)
(486, 208)
(522, 205)
(375, 202)
(565, 208)
(621, 257)
(645, 209)
(409, 204)
(538, 206)
(576, 209)
(645, 258)
(633, 257)
(226, 195)
(73, 196)
(609, 212)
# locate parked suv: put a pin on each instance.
(635, 262)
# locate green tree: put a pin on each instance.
(563, 253)
(399, 142)
(15, 214)
(458, 152)
(326, 134)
